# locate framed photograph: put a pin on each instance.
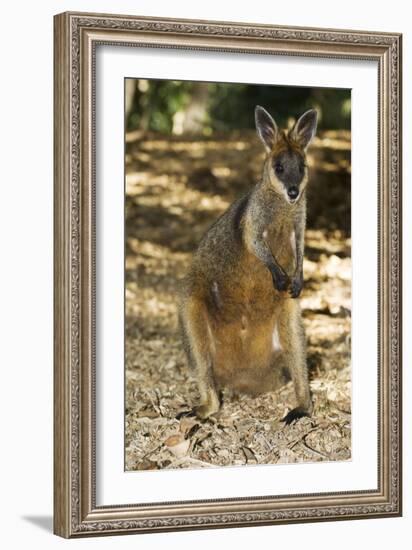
(227, 274)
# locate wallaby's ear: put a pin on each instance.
(266, 127)
(305, 128)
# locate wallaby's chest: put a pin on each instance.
(248, 292)
(244, 288)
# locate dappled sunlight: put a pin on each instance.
(175, 188)
(188, 146)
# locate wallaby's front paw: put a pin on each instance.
(280, 281)
(296, 286)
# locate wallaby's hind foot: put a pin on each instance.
(202, 411)
(294, 415)
(206, 409)
(209, 401)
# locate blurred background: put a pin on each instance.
(191, 149)
(182, 107)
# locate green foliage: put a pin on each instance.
(156, 104)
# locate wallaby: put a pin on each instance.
(240, 320)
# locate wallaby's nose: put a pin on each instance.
(293, 192)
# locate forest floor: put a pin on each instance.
(175, 188)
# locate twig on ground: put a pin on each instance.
(302, 436)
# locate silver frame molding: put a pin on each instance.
(76, 36)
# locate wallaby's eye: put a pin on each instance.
(302, 167)
(278, 167)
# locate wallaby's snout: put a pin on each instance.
(293, 192)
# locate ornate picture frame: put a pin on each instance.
(76, 36)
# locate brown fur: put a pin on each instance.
(240, 330)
